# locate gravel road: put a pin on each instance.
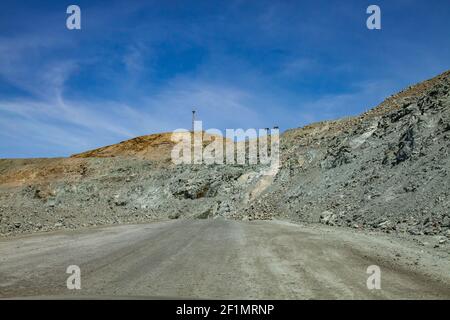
(220, 259)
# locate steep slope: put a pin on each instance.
(386, 169)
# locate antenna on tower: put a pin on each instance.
(193, 119)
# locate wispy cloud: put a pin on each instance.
(25, 61)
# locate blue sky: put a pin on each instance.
(138, 67)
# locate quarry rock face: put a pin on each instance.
(387, 169)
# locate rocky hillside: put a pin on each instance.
(387, 169)
(102, 187)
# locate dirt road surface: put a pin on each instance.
(220, 259)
